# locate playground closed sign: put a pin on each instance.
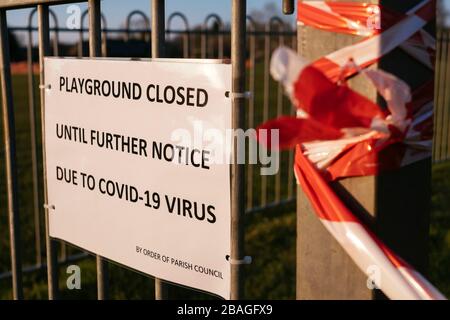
(136, 164)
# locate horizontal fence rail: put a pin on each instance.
(210, 39)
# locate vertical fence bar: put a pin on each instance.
(203, 41)
(104, 31)
(238, 44)
(446, 105)
(55, 49)
(80, 46)
(158, 40)
(441, 134)
(266, 98)
(220, 40)
(251, 105)
(51, 245)
(186, 42)
(10, 159)
(95, 50)
(33, 135)
(280, 97)
(56, 34)
(288, 6)
(158, 28)
(292, 112)
(439, 94)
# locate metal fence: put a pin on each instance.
(211, 39)
(441, 147)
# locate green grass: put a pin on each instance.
(270, 237)
(440, 228)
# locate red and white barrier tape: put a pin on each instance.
(377, 44)
(343, 134)
(397, 279)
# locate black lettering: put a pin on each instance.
(89, 86)
(158, 98)
(212, 218)
(172, 94)
(187, 205)
(181, 100)
(97, 88)
(170, 204)
(190, 96)
(150, 98)
(74, 86)
(205, 159)
(81, 83)
(62, 82)
(106, 88)
(171, 152)
(137, 91)
(200, 93)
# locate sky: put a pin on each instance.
(116, 11)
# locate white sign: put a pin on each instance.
(130, 170)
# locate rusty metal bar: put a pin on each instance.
(291, 185)
(10, 159)
(158, 42)
(288, 6)
(266, 97)
(158, 28)
(251, 105)
(280, 98)
(51, 245)
(238, 52)
(33, 135)
(445, 149)
(441, 56)
(16, 4)
(95, 50)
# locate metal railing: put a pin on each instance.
(263, 193)
(198, 42)
(441, 143)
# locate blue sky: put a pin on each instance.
(116, 10)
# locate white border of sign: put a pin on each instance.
(129, 214)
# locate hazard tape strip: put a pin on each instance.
(329, 16)
(397, 279)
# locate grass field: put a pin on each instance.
(270, 237)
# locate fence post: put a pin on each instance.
(157, 43)
(33, 135)
(251, 103)
(238, 54)
(95, 50)
(158, 28)
(10, 159)
(51, 245)
(288, 6)
(394, 205)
